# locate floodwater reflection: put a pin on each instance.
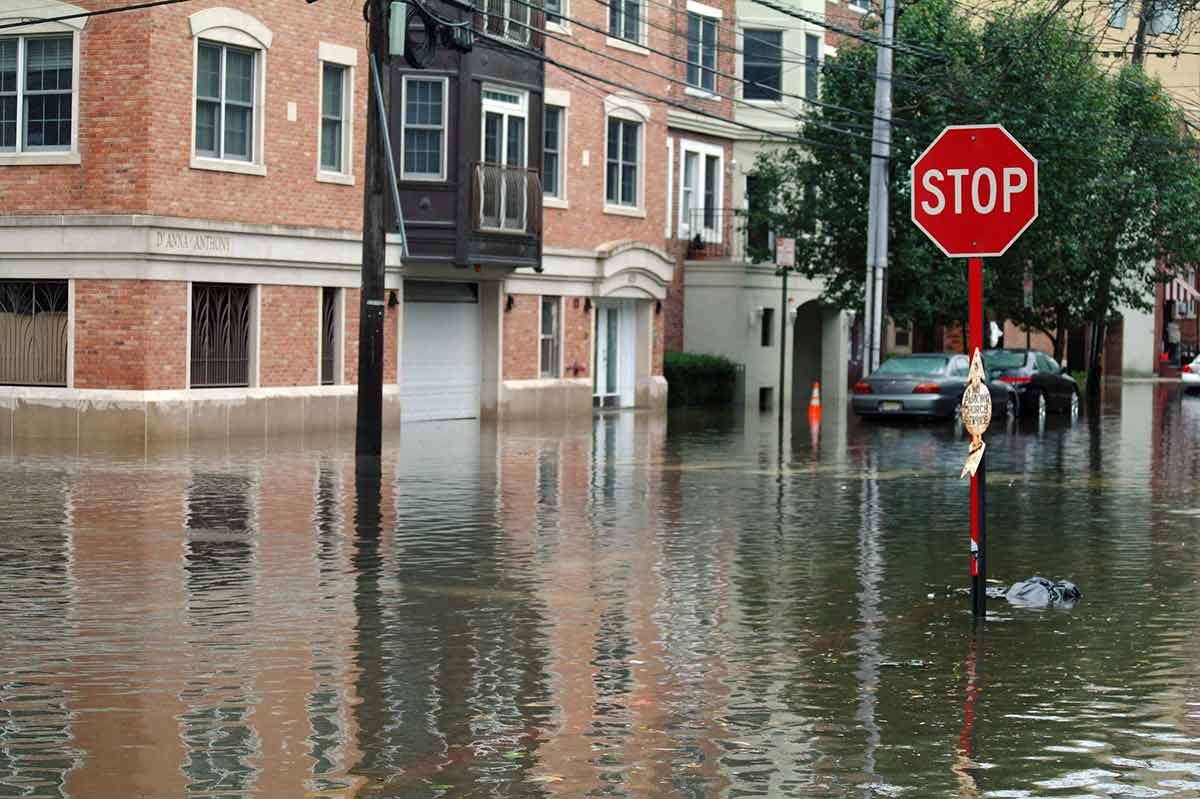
(628, 607)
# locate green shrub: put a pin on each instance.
(697, 379)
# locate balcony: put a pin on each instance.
(722, 234)
(506, 199)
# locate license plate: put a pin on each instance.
(891, 406)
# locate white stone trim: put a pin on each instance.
(626, 45)
(70, 334)
(625, 210)
(337, 54)
(558, 97)
(230, 26)
(704, 10)
(623, 106)
(222, 165)
(43, 9)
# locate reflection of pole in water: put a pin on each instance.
(870, 574)
(964, 760)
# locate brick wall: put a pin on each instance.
(841, 15)
(135, 133)
(290, 321)
(350, 334)
(577, 339)
(130, 334)
(521, 338)
(114, 128)
(391, 317)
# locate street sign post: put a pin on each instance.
(974, 192)
(785, 259)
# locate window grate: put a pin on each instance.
(328, 335)
(220, 335)
(33, 332)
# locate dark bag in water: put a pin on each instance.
(1040, 592)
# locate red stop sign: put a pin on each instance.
(974, 190)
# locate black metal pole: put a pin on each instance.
(369, 434)
(783, 309)
(979, 589)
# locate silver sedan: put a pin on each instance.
(924, 385)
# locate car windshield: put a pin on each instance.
(918, 366)
(1004, 359)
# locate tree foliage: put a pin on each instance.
(1118, 171)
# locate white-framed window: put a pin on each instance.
(701, 190)
(503, 178)
(556, 11)
(508, 18)
(1165, 21)
(228, 131)
(550, 337)
(812, 65)
(702, 47)
(859, 5)
(554, 134)
(623, 170)
(423, 134)
(39, 88)
(762, 64)
(625, 21)
(336, 110)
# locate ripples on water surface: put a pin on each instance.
(641, 609)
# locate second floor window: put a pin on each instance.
(621, 178)
(625, 20)
(37, 87)
(762, 65)
(554, 11)
(552, 152)
(333, 116)
(702, 52)
(423, 137)
(225, 102)
(812, 66)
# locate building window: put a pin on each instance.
(503, 180)
(701, 191)
(1166, 18)
(331, 335)
(221, 319)
(860, 5)
(621, 180)
(552, 148)
(812, 65)
(423, 137)
(33, 332)
(625, 20)
(554, 11)
(333, 117)
(768, 326)
(549, 336)
(762, 65)
(225, 102)
(702, 52)
(37, 93)
(508, 18)
(1119, 14)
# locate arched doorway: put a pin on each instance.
(807, 350)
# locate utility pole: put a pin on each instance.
(369, 434)
(877, 209)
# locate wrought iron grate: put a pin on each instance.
(33, 332)
(328, 334)
(220, 335)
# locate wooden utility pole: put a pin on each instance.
(369, 435)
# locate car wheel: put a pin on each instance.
(1012, 408)
(1074, 407)
(1038, 405)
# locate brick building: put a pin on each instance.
(182, 200)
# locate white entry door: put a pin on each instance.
(441, 362)
(614, 336)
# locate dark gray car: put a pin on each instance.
(924, 385)
(1041, 383)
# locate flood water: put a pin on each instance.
(643, 607)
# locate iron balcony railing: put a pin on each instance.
(33, 332)
(506, 199)
(725, 234)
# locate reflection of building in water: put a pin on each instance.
(188, 668)
(38, 750)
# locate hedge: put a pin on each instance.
(696, 379)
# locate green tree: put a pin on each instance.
(1118, 174)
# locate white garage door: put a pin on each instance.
(441, 362)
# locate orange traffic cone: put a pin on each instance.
(814, 404)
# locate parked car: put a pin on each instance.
(924, 385)
(1190, 375)
(1040, 382)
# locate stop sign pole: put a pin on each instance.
(974, 192)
